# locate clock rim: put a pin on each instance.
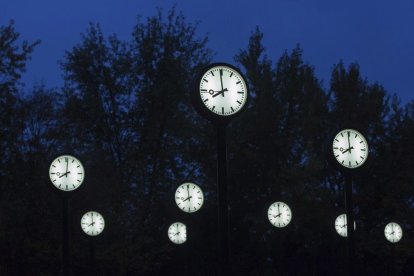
(344, 214)
(83, 170)
(290, 209)
(202, 202)
(185, 232)
(330, 157)
(102, 219)
(198, 103)
(402, 232)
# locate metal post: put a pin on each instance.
(92, 255)
(65, 236)
(350, 223)
(223, 213)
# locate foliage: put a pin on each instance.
(125, 112)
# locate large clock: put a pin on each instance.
(66, 173)
(221, 92)
(279, 214)
(393, 232)
(350, 148)
(189, 197)
(177, 232)
(341, 225)
(92, 223)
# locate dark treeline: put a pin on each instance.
(125, 112)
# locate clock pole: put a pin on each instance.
(349, 223)
(92, 255)
(65, 235)
(223, 212)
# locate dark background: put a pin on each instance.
(124, 110)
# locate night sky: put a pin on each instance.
(376, 34)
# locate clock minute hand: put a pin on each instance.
(221, 81)
(349, 142)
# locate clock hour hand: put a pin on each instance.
(349, 149)
(220, 92)
(188, 198)
(64, 174)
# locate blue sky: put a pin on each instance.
(377, 34)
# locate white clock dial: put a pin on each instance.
(350, 148)
(189, 197)
(393, 232)
(177, 232)
(223, 90)
(92, 223)
(279, 214)
(341, 225)
(66, 173)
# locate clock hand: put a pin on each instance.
(221, 81)
(188, 198)
(348, 150)
(220, 92)
(67, 163)
(349, 142)
(211, 91)
(63, 174)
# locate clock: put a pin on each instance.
(66, 173)
(92, 223)
(350, 148)
(393, 232)
(221, 92)
(177, 232)
(279, 214)
(189, 197)
(341, 225)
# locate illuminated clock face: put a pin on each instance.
(223, 90)
(177, 232)
(341, 224)
(189, 197)
(350, 148)
(92, 223)
(66, 173)
(393, 232)
(279, 214)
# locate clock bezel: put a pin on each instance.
(346, 228)
(83, 172)
(103, 219)
(200, 106)
(186, 232)
(202, 193)
(331, 156)
(291, 214)
(402, 232)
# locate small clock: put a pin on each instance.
(393, 232)
(221, 92)
(66, 173)
(189, 197)
(350, 148)
(341, 225)
(279, 214)
(177, 232)
(92, 223)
